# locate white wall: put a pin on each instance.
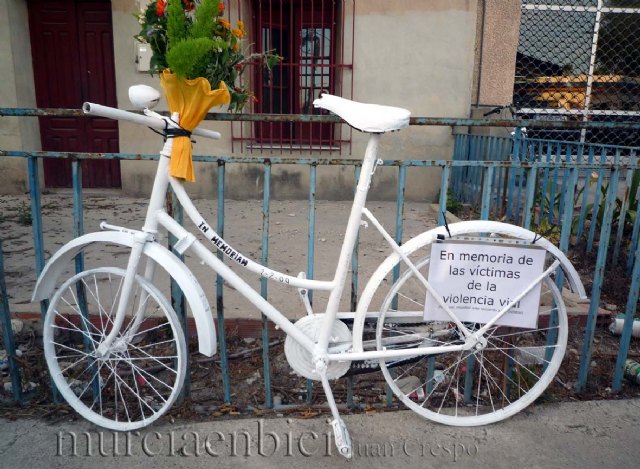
(419, 55)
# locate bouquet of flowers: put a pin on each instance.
(200, 59)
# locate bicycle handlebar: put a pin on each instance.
(92, 109)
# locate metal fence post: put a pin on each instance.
(222, 333)
(266, 199)
(7, 335)
(605, 232)
(311, 237)
(627, 328)
(178, 301)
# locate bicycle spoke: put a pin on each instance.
(142, 371)
(73, 364)
(100, 308)
(155, 358)
(135, 382)
(69, 348)
(82, 318)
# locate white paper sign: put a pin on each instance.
(476, 281)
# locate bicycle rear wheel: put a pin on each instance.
(140, 376)
(473, 387)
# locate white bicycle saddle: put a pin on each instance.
(373, 118)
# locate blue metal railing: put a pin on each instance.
(530, 182)
(577, 186)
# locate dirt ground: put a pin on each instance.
(287, 249)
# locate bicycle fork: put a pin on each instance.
(140, 239)
(148, 233)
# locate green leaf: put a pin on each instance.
(176, 22)
(205, 19)
(186, 57)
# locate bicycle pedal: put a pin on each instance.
(342, 438)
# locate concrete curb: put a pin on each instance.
(591, 434)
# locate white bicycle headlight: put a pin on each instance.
(143, 96)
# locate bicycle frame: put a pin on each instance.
(156, 217)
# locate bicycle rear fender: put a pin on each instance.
(193, 293)
(456, 229)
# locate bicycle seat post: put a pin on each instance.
(350, 238)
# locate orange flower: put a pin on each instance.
(224, 23)
(220, 8)
(240, 25)
(239, 33)
(161, 5)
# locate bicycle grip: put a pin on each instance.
(93, 109)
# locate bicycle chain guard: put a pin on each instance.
(301, 360)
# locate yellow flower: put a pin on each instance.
(240, 25)
(224, 23)
(239, 33)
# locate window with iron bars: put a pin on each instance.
(580, 60)
(315, 39)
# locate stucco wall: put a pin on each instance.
(497, 37)
(418, 55)
(498, 32)
(16, 90)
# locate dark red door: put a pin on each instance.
(72, 49)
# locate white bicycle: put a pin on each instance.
(116, 350)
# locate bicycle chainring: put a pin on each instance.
(301, 359)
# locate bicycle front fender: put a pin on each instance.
(192, 290)
(456, 229)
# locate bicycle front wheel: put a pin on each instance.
(139, 377)
(473, 387)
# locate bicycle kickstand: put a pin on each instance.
(340, 432)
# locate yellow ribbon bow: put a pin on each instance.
(191, 99)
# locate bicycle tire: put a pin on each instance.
(140, 377)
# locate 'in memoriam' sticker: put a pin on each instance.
(476, 281)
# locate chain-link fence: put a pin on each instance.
(580, 60)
